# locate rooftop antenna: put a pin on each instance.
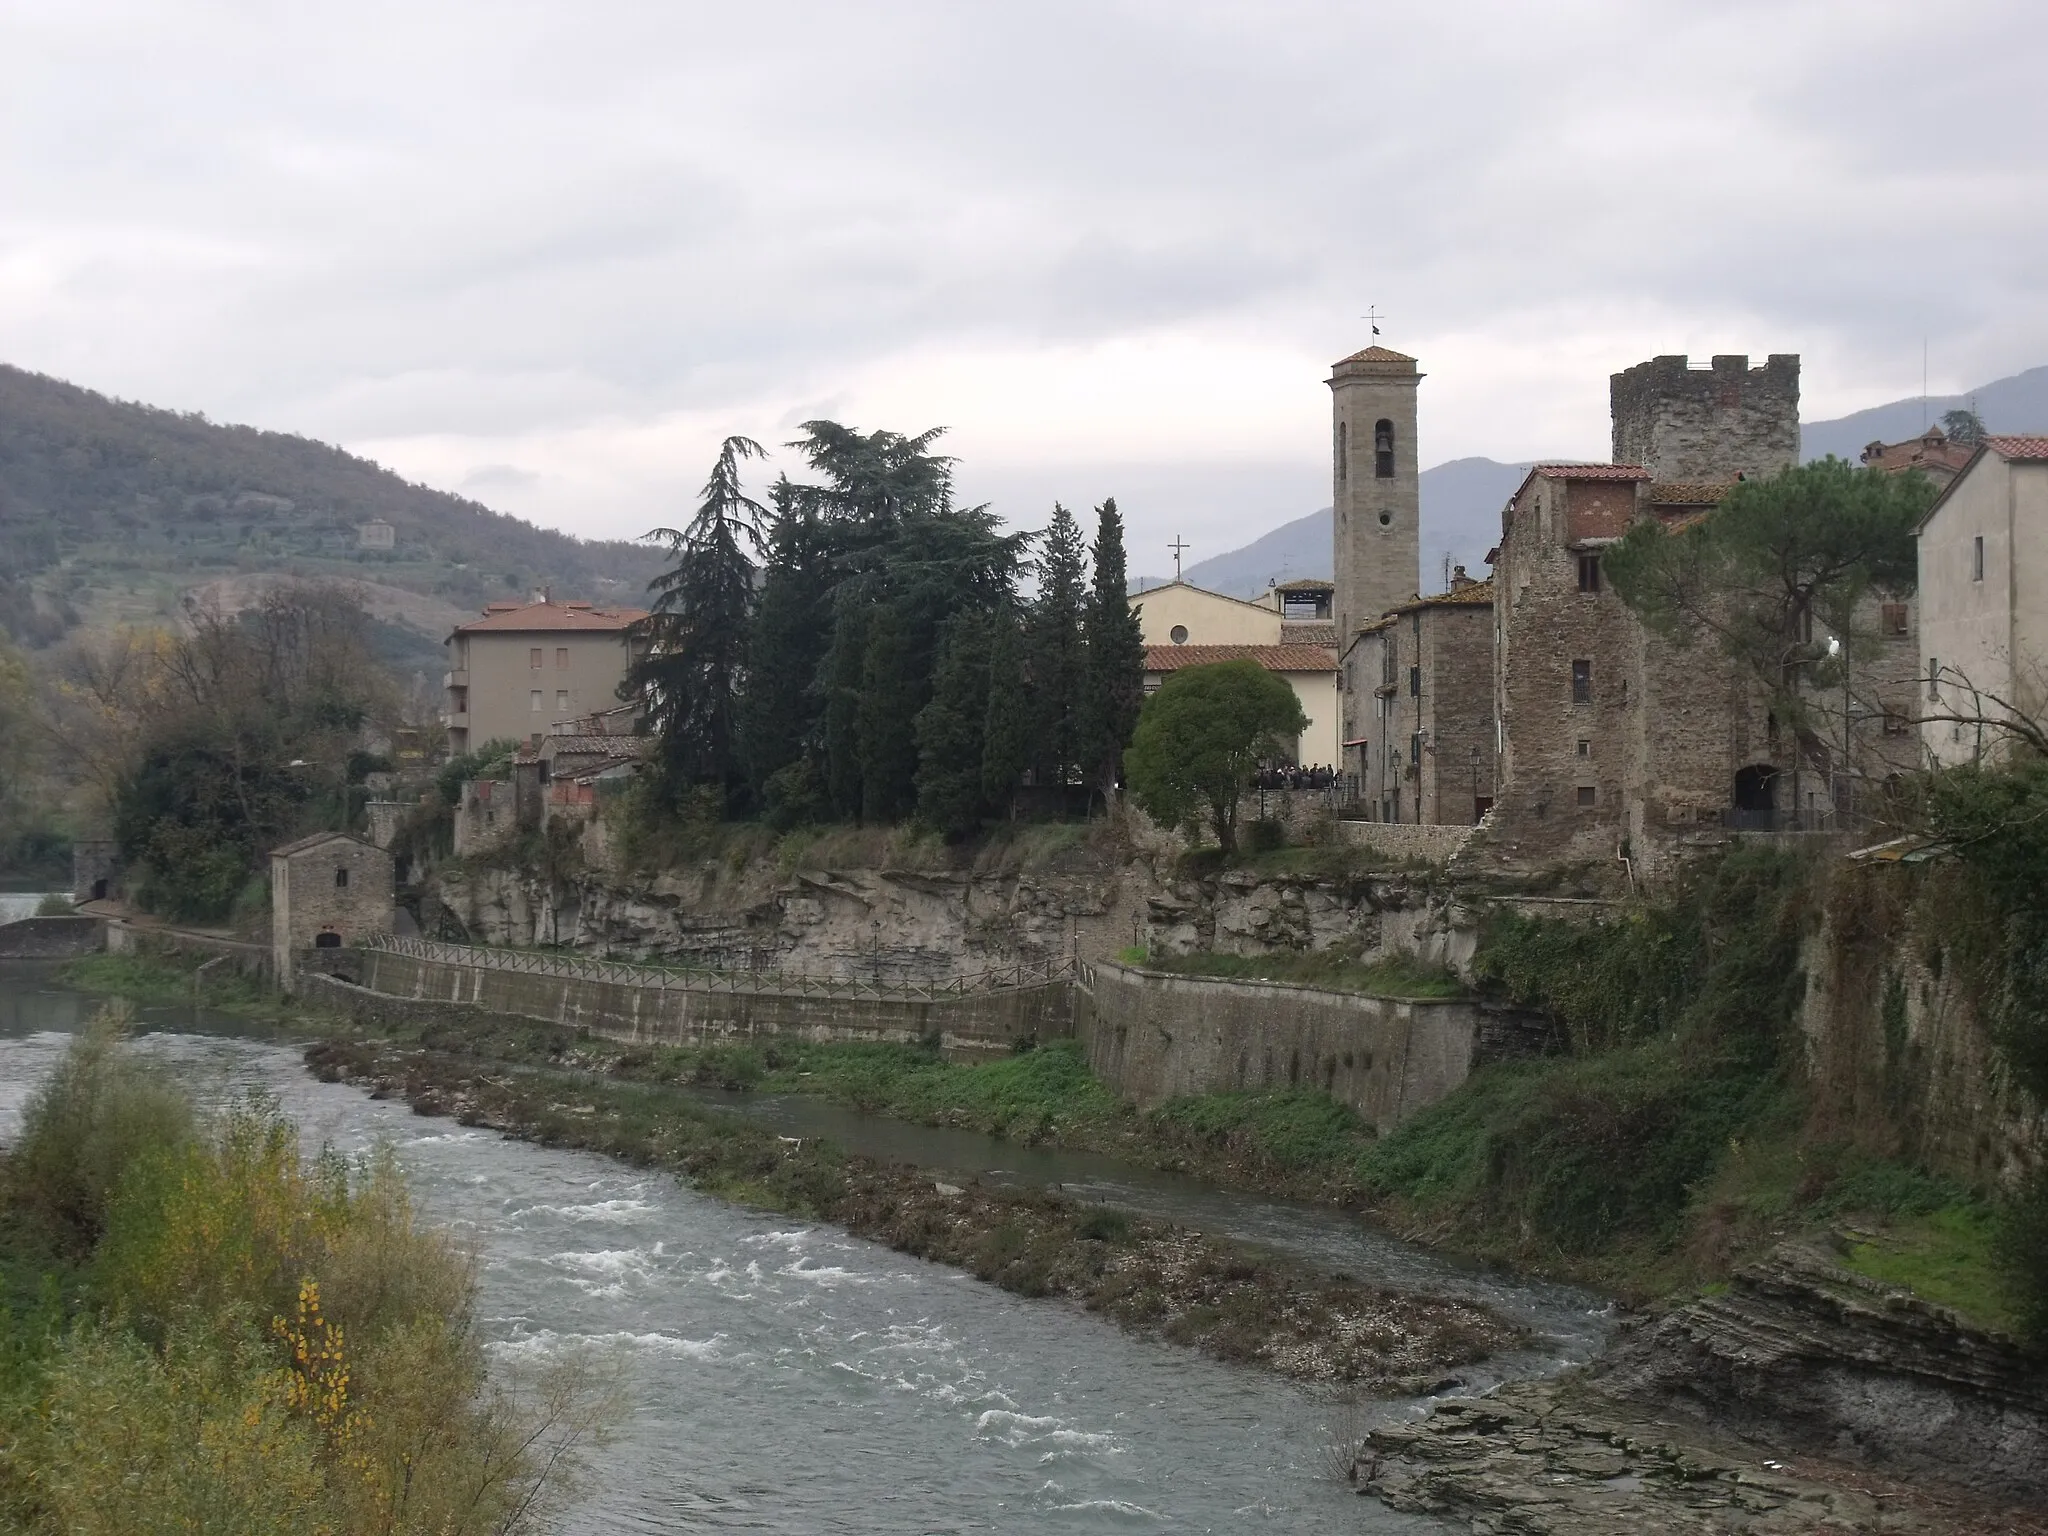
(1925, 419)
(1177, 546)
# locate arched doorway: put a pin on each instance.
(1756, 797)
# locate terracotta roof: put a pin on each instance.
(1376, 354)
(1307, 584)
(603, 746)
(1476, 594)
(1308, 632)
(1274, 658)
(314, 840)
(1590, 471)
(1688, 493)
(2022, 446)
(531, 618)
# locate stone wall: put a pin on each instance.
(1153, 1036)
(51, 938)
(1686, 423)
(1400, 840)
(337, 884)
(1898, 1059)
(972, 1027)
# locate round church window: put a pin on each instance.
(1179, 634)
(1386, 518)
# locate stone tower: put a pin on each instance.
(1707, 424)
(1373, 486)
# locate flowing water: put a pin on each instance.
(14, 904)
(788, 1378)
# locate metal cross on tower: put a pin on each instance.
(1373, 317)
(1177, 546)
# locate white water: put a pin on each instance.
(18, 904)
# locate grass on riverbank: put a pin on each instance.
(168, 976)
(203, 1329)
(1396, 976)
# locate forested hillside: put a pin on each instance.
(110, 510)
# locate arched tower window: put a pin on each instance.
(1383, 449)
(1343, 452)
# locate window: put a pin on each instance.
(341, 879)
(1588, 795)
(1896, 723)
(1892, 621)
(1977, 558)
(533, 701)
(1343, 452)
(1383, 449)
(1585, 748)
(1934, 677)
(1415, 682)
(1415, 748)
(533, 657)
(561, 658)
(1589, 573)
(1178, 634)
(1582, 682)
(561, 701)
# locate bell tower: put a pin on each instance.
(1374, 489)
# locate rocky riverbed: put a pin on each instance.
(1150, 1276)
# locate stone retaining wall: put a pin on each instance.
(968, 1028)
(52, 938)
(1406, 840)
(1153, 1036)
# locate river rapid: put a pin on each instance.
(784, 1377)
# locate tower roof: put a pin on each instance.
(1377, 354)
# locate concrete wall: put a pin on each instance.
(971, 1027)
(1152, 1036)
(52, 938)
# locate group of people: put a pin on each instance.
(1292, 776)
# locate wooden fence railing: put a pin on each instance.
(690, 978)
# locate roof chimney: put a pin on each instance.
(1459, 578)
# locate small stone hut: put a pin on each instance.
(326, 890)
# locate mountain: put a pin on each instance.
(2016, 404)
(1461, 502)
(112, 512)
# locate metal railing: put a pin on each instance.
(665, 978)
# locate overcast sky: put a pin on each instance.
(547, 255)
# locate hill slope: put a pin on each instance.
(110, 510)
(2016, 404)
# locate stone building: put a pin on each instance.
(1310, 670)
(1983, 623)
(527, 668)
(326, 890)
(1375, 494)
(1616, 743)
(376, 534)
(1421, 678)
(1933, 453)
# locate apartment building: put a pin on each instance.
(525, 669)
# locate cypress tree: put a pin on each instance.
(1054, 660)
(1115, 690)
(886, 719)
(1006, 728)
(951, 727)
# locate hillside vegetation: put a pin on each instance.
(109, 510)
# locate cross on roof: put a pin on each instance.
(1177, 546)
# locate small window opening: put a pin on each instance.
(1178, 634)
(341, 879)
(1383, 449)
(1588, 795)
(533, 657)
(1892, 620)
(1343, 452)
(1585, 748)
(1589, 573)
(1415, 682)
(1977, 558)
(1582, 682)
(533, 701)
(1386, 518)
(561, 658)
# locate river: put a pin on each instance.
(788, 1378)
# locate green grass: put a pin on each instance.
(1948, 1255)
(164, 977)
(1396, 976)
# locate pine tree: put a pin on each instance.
(1006, 728)
(843, 665)
(950, 729)
(1054, 660)
(782, 718)
(887, 719)
(693, 665)
(1115, 690)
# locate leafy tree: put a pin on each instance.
(1199, 738)
(1006, 727)
(1962, 426)
(693, 665)
(887, 719)
(951, 729)
(1054, 661)
(1115, 646)
(843, 668)
(1777, 562)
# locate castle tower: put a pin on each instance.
(1374, 488)
(1686, 423)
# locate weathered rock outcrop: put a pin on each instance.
(1811, 1356)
